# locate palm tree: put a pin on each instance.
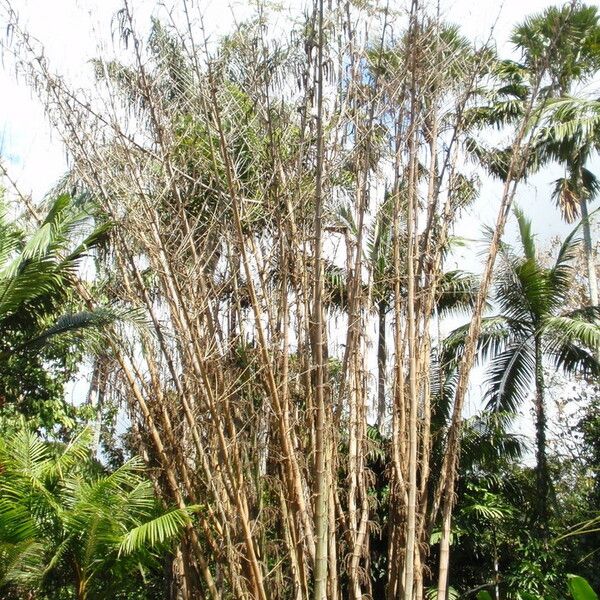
(564, 42)
(561, 41)
(37, 272)
(532, 328)
(570, 135)
(64, 522)
(562, 45)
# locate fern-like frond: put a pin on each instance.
(158, 531)
(510, 376)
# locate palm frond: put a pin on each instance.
(496, 334)
(572, 359)
(23, 563)
(566, 199)
(24, 453)
(525, 234)
(569, 193)
(510, 375)
(562, 273)
(336, 288)
(74, 453)
(568, 123)
(25, 281)
(156, 532)
(590, 184)
(98, 490)
(497, 114)
(379, 241)
(97, 236)
(39, 243)
(342, 217)
(573, 340)
(457, 292)
(16, 523)
(443, 380)
(431, 593)
(524, 290)
(486, 438)
(93, 323)
(11, 239)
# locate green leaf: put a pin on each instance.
(580, 589)
(528, 596)
(527, 237)
(431, 593)
(484, 595)
(157, 531)
(510, 376)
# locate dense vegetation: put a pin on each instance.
(250, 254)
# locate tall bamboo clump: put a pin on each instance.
(282, 208)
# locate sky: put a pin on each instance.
(70, 31)
(73, 31)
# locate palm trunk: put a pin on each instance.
(496, 567)
(589, 253)
(540, 426)
(444, 567)
(95, 399)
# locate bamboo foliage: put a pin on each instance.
(225, 169)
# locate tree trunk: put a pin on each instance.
(540, 426)
(445, 550)
(589, 252)
(381, 364)
(496, 568)
(95, 398)
(321, 478)
(411, 316)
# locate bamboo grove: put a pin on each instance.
(280, 207)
